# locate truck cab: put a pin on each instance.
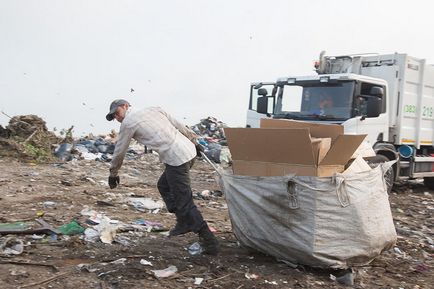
(356, 102)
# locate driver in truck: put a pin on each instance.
(325, 102)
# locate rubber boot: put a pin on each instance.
(179, 229)
(208, 241)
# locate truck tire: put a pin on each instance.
(389, 176)
(429, 182)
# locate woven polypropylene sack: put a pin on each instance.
(334, 222)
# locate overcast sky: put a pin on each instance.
(66, 60)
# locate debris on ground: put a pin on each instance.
(164, 273)
(195, 249)
(76, 191)
(11, 246)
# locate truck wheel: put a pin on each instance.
(429, 182)
(389, 176)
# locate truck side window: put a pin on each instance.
(361, 99)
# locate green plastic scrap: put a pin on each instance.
(72, 228)
(15, 226)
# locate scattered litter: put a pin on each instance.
(421, 268)
(195, 249)
(37, 237)
(207, 194)
(107, 231)
(151, 226)
(48, 204)
(198, 280)
(251, 276)
(66, 183)
(91, 235)
(144, 204)
(270, 282)
(169, 271)
(11, 246)
(397, 250)
(15, 226)
(87, 267)
(90, 180)
(104, 203)
(145, 262)
(63, 152)
(123, 240)
(120, 261)
(72, 228)
(212, 229)
(53, 237)
(346, 279)
(20, 273)
(95, 217)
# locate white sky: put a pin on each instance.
(194, 58)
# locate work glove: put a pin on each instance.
(113, 182)
(199, 150)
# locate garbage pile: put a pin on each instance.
(27, 138)
(213, 139)
(99, 148)
(210, 128)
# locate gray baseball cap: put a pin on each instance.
(113, 106)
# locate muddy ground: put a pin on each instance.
(70, 262)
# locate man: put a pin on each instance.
(177, 149)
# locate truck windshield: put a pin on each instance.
(315, 101)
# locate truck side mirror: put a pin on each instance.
(373, 106)
(262, 91)
(262, 105)
(377, 91)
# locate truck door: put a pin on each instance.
(375, 127)
(253, 117)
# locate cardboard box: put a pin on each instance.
(291, 149)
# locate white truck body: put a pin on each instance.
(411, 96)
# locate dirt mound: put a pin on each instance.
(27, 138)
(25, 125)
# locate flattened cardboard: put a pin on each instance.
(316, 129)
(292, 146)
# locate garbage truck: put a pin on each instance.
(388, 97)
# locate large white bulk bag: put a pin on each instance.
(334, 222)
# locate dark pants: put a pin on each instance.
(174, 187)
